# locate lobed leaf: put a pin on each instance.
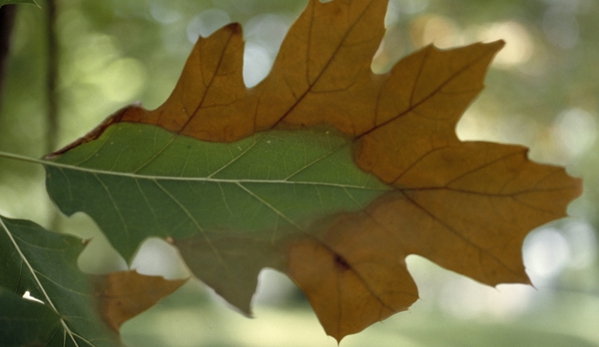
(324, 170)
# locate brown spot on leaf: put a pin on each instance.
(341, 264)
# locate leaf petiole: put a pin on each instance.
(22, 158)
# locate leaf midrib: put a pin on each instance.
(184, 179)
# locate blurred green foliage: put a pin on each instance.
(542, 93)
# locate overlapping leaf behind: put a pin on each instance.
(75, 309)
(324, 170)
(44, 263)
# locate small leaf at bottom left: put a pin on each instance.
(45, 264)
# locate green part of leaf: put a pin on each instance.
(14, 2)
(24, 322)
(45, 264)
(138, 181)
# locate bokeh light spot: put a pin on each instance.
(442, 31)
(546, 253)
(575, 129)
(122, 80)
(206, 23)
(519, 44)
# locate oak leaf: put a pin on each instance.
(325, 170)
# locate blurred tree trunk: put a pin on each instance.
(52, 77)
(7, 19)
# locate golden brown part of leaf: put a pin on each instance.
(472, 220)
(419, 106)
(354, 277)
(321, 75)
(123, 295)
(323, 71)
(474, 216)
(210, 102)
